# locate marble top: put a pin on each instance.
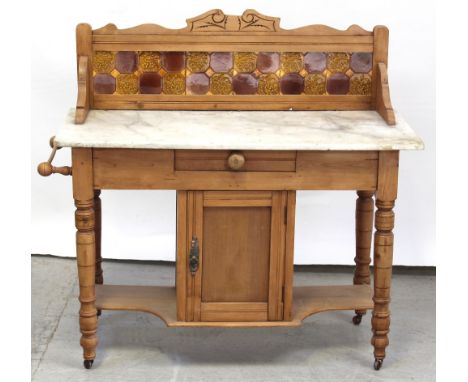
(241, 130)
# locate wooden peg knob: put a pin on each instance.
(236, 161)
(44, 169)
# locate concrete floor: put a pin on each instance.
(139, 347)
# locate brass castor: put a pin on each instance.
(88, 363)
(357, 319)
(378, 364)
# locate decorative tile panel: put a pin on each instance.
(232, 73)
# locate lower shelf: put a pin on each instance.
(161, 301)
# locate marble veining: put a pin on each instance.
(241, 130)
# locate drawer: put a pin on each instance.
(225, 160)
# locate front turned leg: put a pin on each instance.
(86, 259)
(364, 227)
(383, 256)
(99, 278)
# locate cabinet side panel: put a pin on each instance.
(289, 256)
(181, 261)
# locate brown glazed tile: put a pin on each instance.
(361, 62)
(268, 62)
(221, 62)
(150, 83)
(198, 83)
(292, 83)
(315, 62)
(104, 84)
(245, 84)
(338, 83)
(173, 61)
(126, 62)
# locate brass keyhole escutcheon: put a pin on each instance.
(236, 161)
(194, 256)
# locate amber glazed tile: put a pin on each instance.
(104, 84)
(173, 61)
(127, 84)
(268, 62)
(338, 62)
(245, 84)
(198, 83)
(291, 62)
(268, 84)
(149, 61)
(315, 62)
(174, 83)
(292, 83)
(360, 84)
(126, 62)
(221, 62)
(361, 62)
(150, 83)
(198, 61)
(315, 84)
(103, 62)
(245, 62)
(338, 83)
(220, 84)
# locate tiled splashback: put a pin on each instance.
(226, 73)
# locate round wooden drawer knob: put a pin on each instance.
(236, 161)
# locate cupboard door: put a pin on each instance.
(241, 240)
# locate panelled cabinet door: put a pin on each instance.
(233, 255)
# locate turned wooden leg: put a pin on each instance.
(383, 256)
(99, 278)
(97, 233)
(85, 250)
(364, 227)
(386, 194)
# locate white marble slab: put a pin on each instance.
(247, 130)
